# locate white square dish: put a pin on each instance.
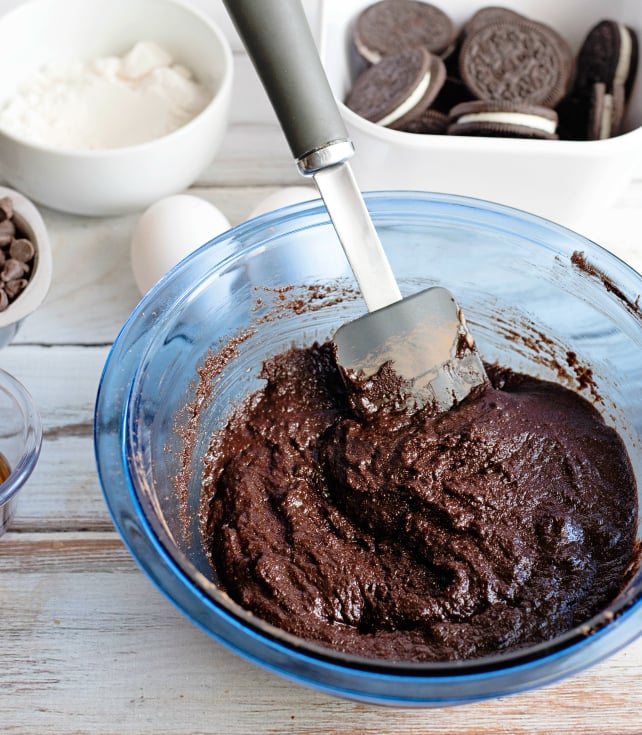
(563, 180)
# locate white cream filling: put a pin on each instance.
(511, 118)
(626, 50)
(606, 121)
(374, 57)
(621, 73)
(409, 103)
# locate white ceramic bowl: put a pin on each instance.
(112, 181)
(28, 219)
(567, 181)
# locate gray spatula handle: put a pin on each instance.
(278, 39)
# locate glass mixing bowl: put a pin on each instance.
(539, 298)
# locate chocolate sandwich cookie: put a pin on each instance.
(429, 122)
(609, 54)
(487, 15)
(397, 89)
(605, 112)
(516, 60)
(391, 26)
(494, 14)
(503, 119)
(606, 68)
(484, 16)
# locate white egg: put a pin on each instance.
(284, 197)
(169, 230)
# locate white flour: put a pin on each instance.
(105, 103)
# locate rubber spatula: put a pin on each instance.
(423, 337)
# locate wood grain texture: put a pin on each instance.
(90, 645)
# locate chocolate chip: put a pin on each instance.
(15, 287)
(17, 253)
(6, 208)
(13, 269)
(22, 249)
(5, 469)
(7, 231)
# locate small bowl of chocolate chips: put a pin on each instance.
(25, 261)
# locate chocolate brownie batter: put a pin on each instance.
(408, 536)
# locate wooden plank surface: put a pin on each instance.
(94, 647)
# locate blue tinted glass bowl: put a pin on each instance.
(532, 292)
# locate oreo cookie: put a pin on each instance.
(609, 54)
(487, 15)
(503, 119)
(516, 60)
(398, 88)
(606, 69)
(524, 70)
(429, 122)
(390, 26)
(606, 111)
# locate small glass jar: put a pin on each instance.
(20, 442)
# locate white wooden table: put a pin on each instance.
(87, 644)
